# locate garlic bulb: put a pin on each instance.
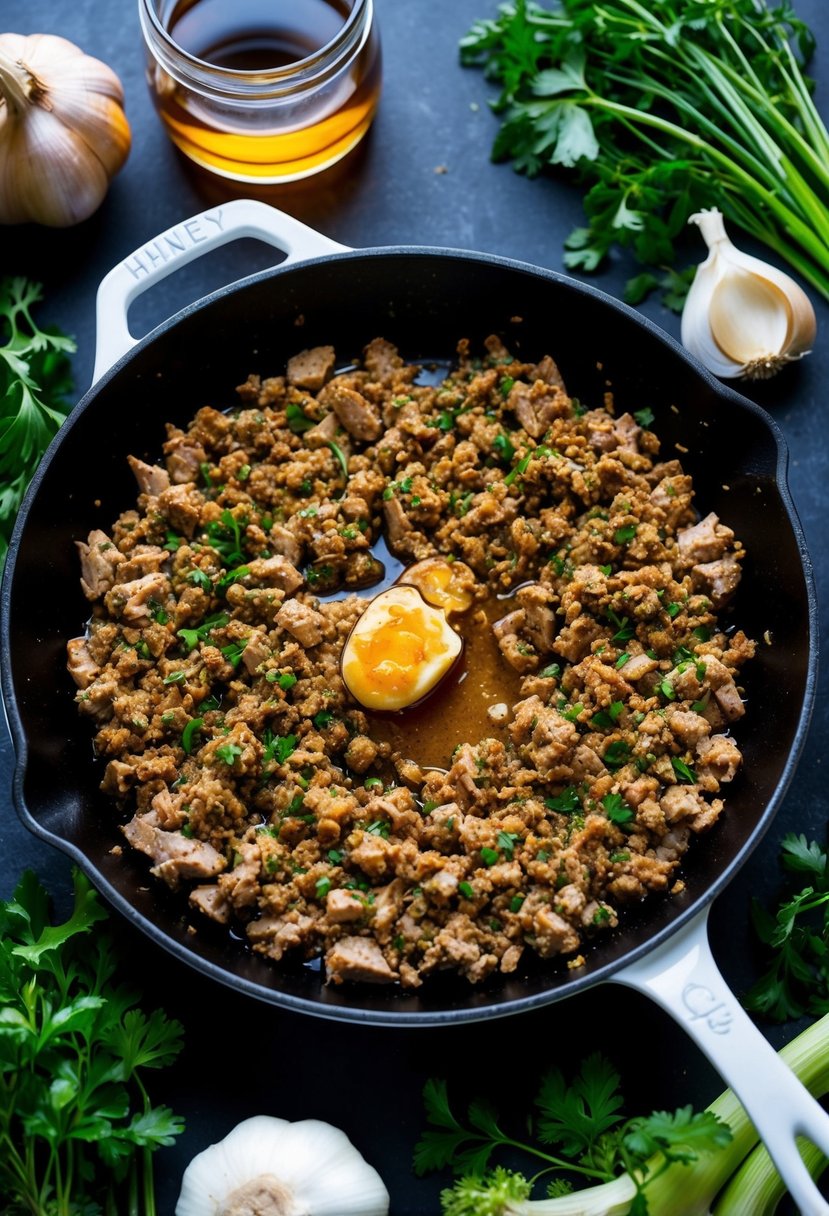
(63, 132)
(269, 1167)
(743, 317)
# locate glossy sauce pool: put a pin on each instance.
(456, 712)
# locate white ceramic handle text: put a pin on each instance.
(183, 243)
(683, 978)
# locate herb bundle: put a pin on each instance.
(34, 381)
(664, 108)
(77, 1128)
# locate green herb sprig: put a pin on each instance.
(34, 383)
(77, 1126)
(579, 1132)
(796, 935)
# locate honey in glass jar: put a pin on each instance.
(263, 90)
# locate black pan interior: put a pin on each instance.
(424, 301)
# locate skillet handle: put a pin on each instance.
(682, 977)
(184, 243)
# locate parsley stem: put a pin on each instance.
(561, 1163)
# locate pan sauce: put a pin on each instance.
(399, 845)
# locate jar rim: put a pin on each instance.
(299, 69)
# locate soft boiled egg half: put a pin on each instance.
(398, 651)
(447, 585)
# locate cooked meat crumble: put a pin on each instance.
(254, 780)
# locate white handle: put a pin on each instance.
(683, 978)
(184, 243)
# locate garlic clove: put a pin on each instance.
(743, 317)
(741, 294)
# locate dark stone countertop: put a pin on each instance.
(422, 177)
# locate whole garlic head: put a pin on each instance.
(63, 131)
(269, 1167)
(743, 317)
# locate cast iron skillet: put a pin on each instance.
(424, 300)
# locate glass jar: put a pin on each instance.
(263, 90)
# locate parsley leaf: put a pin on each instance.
(34, 383)
(796, 937)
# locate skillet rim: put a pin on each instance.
(505, 1006)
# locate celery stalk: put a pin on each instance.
(696, 1187)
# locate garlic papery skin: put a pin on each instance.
(269, 1167)
(742, 317)
(63, 131)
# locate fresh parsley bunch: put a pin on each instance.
(34, 382)
(580, 1124)
(77, 1128)
(663, 107)
(797, 936)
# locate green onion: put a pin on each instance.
(192, 728)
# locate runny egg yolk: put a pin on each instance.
(398, 651)
(447, 585)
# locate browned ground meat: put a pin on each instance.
(248, 774)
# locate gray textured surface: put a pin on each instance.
(432, 114)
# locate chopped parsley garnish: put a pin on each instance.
(277, 747)
(673, 609)
(516, 902)
(566, 803)
(466, 890)
(192, 637)
(551, 671)
(379, 827)
(489, 856)
(199, 579)
(625, 534)
(323, 886)
(506, 386)
(175, 677)
(229, 752)
(617, 753)
(172, 541)
(524, 463)
(616, 809)
(624, 629)
(322, 719)
(285, 679)
(157, 613)
(644, 417)
(296, 418)
(231, 576)
(225, 536)
(606, 719)
(572, 714)
(506, 842)
(683, 771)
(334, 856)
